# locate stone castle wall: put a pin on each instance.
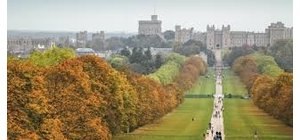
(225, 38)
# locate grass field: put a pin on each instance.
(232, 84)
(242, 118)
(205, 84)
(178, 124)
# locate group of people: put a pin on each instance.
(213, 130)
(217, 111)
(218, 136)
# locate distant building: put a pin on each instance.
(183, 35)
(163, 51)
(224, 38)
(25, 45)
(98, 40)
(81, 39)
(150, 27)
(85, 51)
(63, 42)
(98, 36)
(278, 31)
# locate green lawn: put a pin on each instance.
(177, 124)
(205, 84)
(232, 84)
(242, 118)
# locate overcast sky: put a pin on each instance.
(123, 15)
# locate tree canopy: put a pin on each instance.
(85, 98)
(282, 51)
(270, 87)
(51, 56)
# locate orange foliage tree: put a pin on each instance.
(270, 93)
(84, 98)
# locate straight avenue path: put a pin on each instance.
(216, 127)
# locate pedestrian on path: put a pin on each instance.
(255, 134)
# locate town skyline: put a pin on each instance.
(217, 27)
(124, 16)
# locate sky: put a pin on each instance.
(123, 15)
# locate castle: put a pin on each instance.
(224, 38)
(150, 27)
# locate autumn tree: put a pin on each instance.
(271, 89)
(27, 103)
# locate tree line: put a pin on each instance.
(167, 72)
(270, 87)
(193, 47)
(84, 97)
(281, 50)
(138, 60)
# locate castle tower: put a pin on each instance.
(153, 17)
(150, 27)
(210, 37)
(226, 36)
(178, 33)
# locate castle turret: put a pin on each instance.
(225, 36)
(153, 17)
(210, 37)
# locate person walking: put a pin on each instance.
(255, 135)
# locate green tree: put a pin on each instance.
(137, 55)
(169, 35)
(125, 52)
(51, 56)
(282, 51)
(158, 61)
(118, 61)
(148, 55)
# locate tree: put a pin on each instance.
(26, 103)
(270, 87)
(51, 56)
(125, 52)
(137, 67)
(167, 72)
(85, 98)
(282, 51)
(158, 61)
(275, 96)
(118, 61)
(266, 64)
(236, 52)
(137, 55)
(148, 62)
(191, 47)
(247, 69)
(144, 41)
(148, 55)
(169, 35)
